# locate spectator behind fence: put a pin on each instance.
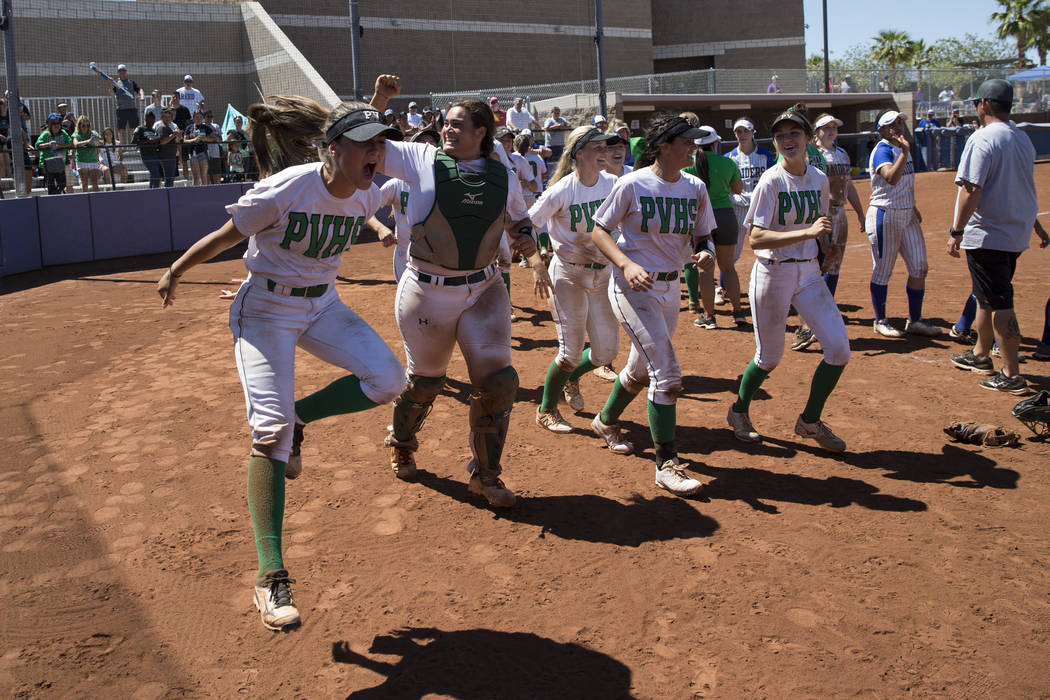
(774, 86)
(183, 118)
(519, 117)
(127, 107)
(53, 145)
(195, 149)
(167, 148)
(5, 142)
(111, 159)
(245, 147)
(215, 164)
(145, 137)
(946, 95)
(498, 114)
(155, 106)
(414, 117)
(191, 98)
(235, 158)
(554, 130)
(85, 143)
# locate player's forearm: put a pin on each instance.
(854, 198)
(894, 172)
(965, 206)
(764, 239)
(604, 242)
(208, 247)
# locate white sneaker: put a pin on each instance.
(671, 477)
(921, 328)
(720, 296)
(552, 421)
(820, 432)
(613, 439)
(572, 394)
(741, 425)
(883, 327)
(273, 599)
(607, 373)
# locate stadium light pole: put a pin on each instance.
(17, 136)
(355, 48)
(827, 67)
(599, 41)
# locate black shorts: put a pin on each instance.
(215, 166)
(992, 274)
(727, 228)
(128, 118)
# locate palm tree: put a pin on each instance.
(1041, 38)
(892, 48)
(921, 56)
(1018, 20)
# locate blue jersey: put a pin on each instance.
(751, 166)
(883, 194)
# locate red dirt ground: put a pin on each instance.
(908, 566)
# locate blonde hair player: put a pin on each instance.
(298, 221)
(825, 133)
(580, 272)
(451, 292)
(660, 211)
(788, 217)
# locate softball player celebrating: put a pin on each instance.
(660, 211)
(451, 292)
(825, 132)
(298, 222)
(893, 226)
(788, 212)
(579, 270)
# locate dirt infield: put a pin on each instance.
(908, 566)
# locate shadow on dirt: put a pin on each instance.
(482, 663)
(592, 518)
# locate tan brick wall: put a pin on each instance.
(688, 21)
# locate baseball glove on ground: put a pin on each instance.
(987, 435)
(1035, 414)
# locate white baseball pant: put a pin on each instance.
(775, 287)
(266, 329)
(433, 318)
(400, 258)
(891, 231)
(581, 310)
(649, 317)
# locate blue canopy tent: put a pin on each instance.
(1037, 73)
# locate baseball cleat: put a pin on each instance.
(921, 328)
(612, 436)
(572, 394)
(403, 462)
(552, 421)
(996, 352)
(741, 425)
(1009, 385)
(706, 322)
(273, 599)
(607, 373)
(295, 460)
(883, 327)
(804, 337)
(741, 320)
(966, 336)
(492, 488)
(967, 360)
(820, 432)
(671, 477)
(720, 297)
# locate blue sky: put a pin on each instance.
(851, 22)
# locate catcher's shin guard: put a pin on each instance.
(411, 409)
(490, 409)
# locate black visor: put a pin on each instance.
(679, 127)
(593, 136)
(361, 125)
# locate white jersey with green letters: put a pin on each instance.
(785, 202)
(568, 209)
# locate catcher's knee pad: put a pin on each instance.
(411, 409)
(490, 407)
(633, 384)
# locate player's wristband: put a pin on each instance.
(955, 233)
(526, 231)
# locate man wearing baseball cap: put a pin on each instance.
(189, 96)
(127, 107)
(414, 117)
(500, 115)
(994, 216)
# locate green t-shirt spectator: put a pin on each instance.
(47, 137)
(815, 157)
(87, 154)
(637, 146)
(722, 171)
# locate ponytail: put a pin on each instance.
(285, 131)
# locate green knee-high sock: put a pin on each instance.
(266, 505)
(552, 386)
(585, 365)
(824, 381)
(614, 405)
(662, 420)
(752, 379)
(506, 281)
(692, 283)
(341, 396)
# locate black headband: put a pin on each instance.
(590, 137)
(358, 118)
(679, 126)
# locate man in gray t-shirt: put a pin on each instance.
(994, 215)
(129, 99)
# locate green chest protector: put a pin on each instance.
(465, 225)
